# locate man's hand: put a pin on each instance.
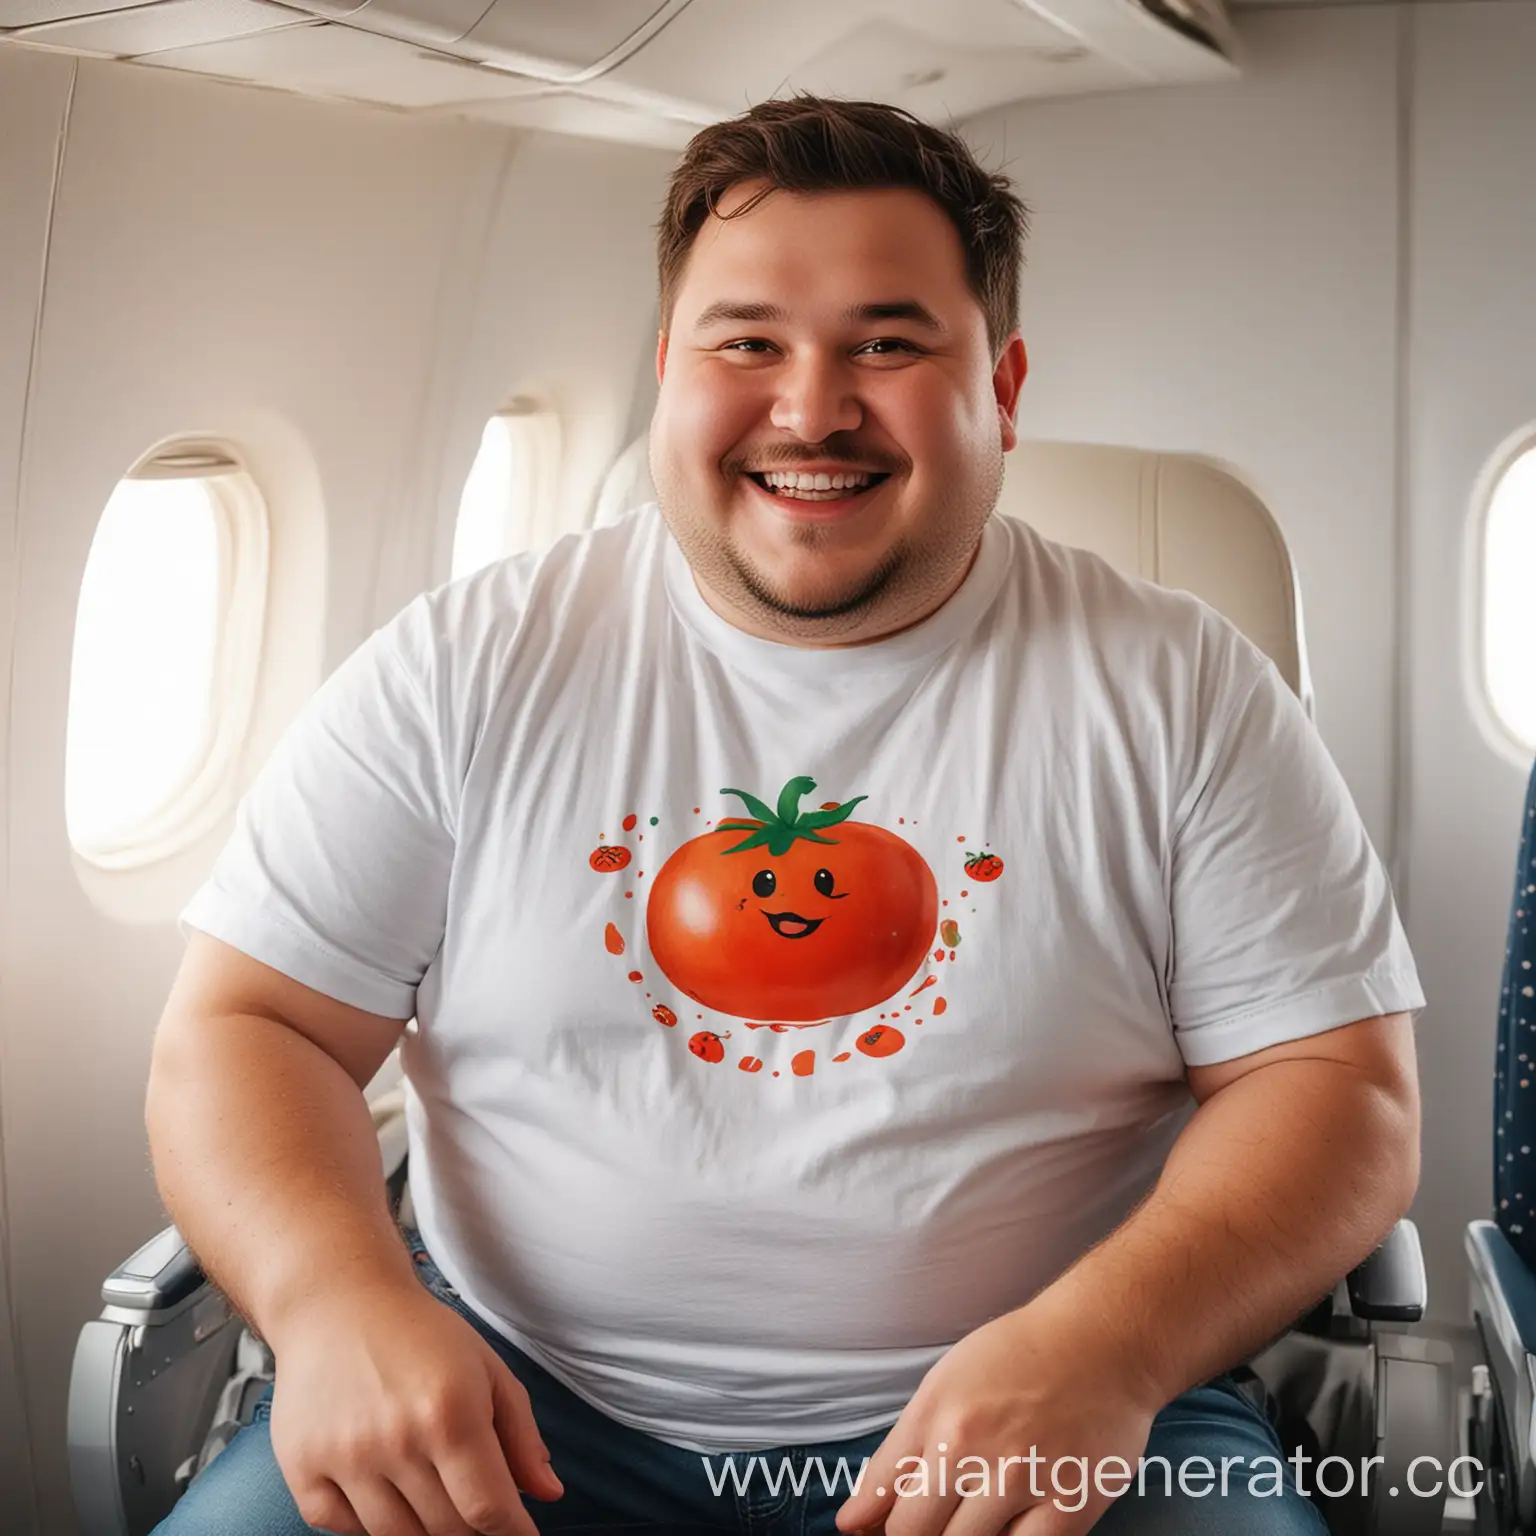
(393, 1417)
(1024, 1417)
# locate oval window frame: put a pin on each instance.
(208, 790)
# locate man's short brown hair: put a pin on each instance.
(817, 144)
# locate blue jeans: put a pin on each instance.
(618, 1479)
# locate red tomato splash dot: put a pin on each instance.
(882, 1040)
(829, 805)
(662, 1014)
(958, 839)
(842, 1056)
(613, 940)
(939, 1005)
(938, 954)
(695, 810)
(751, 1064)
(964, 894)
(803, 1063)
(629, 822)
(636, 976)
(927, 981)
(706, 1045)
(775, 1074)
(629, 895)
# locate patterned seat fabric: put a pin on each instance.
(1514, 1081)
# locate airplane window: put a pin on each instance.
(508, 504)
(1509, 600)
(167, 640)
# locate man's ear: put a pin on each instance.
(1007, 381)
(661, 356)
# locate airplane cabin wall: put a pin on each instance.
(1317, 272)
(1472, 393)
(347, 294)
(1320, 272)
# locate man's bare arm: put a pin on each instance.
(390, 1412)
(263, 1146)
(1294, 1167)
(1297, 1163)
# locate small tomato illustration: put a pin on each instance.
(663, 1015)
(882, 1040)
(609, 857)
(773, 918)
(983, 866)
(707, 1046)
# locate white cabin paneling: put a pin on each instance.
(346, 294)
(34, 98)
(1472, 382)
(1213, 270)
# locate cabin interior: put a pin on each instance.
(339, 260)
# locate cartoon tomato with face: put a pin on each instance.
(780, 917)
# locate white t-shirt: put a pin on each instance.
(1063, 837)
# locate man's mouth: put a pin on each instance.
(795, 485)
(790, 925)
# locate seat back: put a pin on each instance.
(1514, 1073)
(1174, 518)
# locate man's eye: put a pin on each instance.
(889, 343)
(754, 343)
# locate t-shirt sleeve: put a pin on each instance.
(337, 870)
(1284, 924)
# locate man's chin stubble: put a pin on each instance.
(836, 614)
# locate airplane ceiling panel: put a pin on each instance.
(727, 53)
(947, 68)
(169, 24)
(432, 23)
(32, 13)
(882, 62)
(571, 35)
(328, 60)
(644, 71)
(590, 117)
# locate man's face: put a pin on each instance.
(829, 334)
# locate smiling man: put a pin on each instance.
(1022, 1044)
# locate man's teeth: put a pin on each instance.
(821, 487)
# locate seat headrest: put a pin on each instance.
(1174, 518)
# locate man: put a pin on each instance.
(822, 903)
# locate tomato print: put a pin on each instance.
(609, 857)
(781, 917)
(983, 866)
(663, 1015)
(707, 1046)
(882, 1040)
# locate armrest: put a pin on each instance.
(1390, 1286)
(159, 1276)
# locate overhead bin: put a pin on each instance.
(653, 71)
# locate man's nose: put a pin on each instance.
(817, 397)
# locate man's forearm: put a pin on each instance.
(1278, 1186)
(266, 1158)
